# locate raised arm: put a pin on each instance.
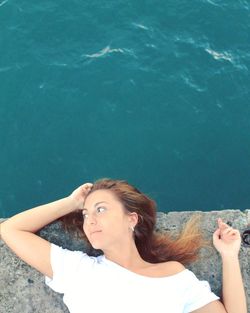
(18, 231)
(227, 242)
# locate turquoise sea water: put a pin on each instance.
(154, 92)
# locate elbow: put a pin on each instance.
(5, 231)
(2, 230)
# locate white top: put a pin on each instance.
(96, 284)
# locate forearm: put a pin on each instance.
(233, 293)
(34, 219)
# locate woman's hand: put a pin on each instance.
(80, 193)
(226, 239)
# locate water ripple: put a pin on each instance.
(17, 66)
(213, 3)
(5, 69)
(140, 26)
(234, 58)
(217, 55)
(189, 81)
(4, 2)
(106, 51)
(59, 64)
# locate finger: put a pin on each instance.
(220, 222)
(223, 225)
(227, 230)
(216, 234)
(87, 185)
(227, 233)
(234, 233)
(85, 189)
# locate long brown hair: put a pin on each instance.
(152, 245)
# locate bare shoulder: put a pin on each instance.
(171, 267)
(162, 269)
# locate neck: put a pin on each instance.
(127, 257)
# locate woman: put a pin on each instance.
(138, 270)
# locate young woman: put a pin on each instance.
(138, 270)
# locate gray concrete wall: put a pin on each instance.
(23, 288)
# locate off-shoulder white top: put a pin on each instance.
(96, 284)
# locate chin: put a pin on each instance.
(96, 246)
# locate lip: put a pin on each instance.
(95, 231)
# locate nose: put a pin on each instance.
(91, 219)
(89, 223)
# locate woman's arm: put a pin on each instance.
(233, 294)
(227, 241)
(34, 219)
(18, 231)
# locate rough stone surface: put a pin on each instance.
(23, 288)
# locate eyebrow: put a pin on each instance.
(84, 209)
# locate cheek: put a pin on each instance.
(119, 226)
(83, 227)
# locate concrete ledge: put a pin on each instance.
(23, 288)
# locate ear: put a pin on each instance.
(133, 218)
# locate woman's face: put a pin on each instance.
(106, 224)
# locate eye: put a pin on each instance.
(84, 215)
(101, 209)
